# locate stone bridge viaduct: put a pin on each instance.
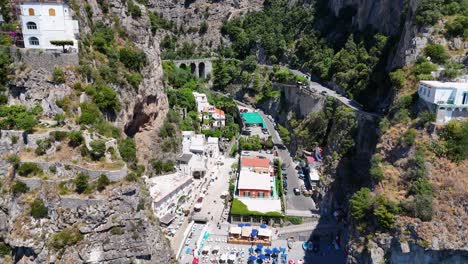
(198, 67)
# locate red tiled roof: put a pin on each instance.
(219, 111)
(255, 162)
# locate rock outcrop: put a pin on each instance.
(190, 14)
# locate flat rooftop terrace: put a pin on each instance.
(253, 118)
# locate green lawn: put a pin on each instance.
(239, 208)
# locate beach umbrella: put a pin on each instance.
(259, 246)
(247, 225)
(251, 250)
(276, 251)
(263, 226)
(261, 256)
(195, 261)
(254, 233)
(268, 251)
(252, 258)
(240, 225)
(283, 249)
(284, 256)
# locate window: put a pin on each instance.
(261, 194)
(31, 25)
(51, 12)
(31, 11)
(34, 41)
(465, 98)
(256, 219)
(247, 194)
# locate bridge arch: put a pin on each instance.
(201, 70)
(193, 68)
(183, 66)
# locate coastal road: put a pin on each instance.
(296, 205)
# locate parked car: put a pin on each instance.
(296, 191)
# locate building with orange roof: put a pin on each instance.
(257, 164)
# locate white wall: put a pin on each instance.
(58, 27)
(442, 95)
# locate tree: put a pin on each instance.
(38, 209)
(75, 138)
(452, 70)
(284, 134)
(376, 170)
(437, 53)
(132, 59)
(62, 43)
(90, 114)
(102, 182)
(127, 149)
(106, 98)
(360, 204)
(19, 188)
(98, 149)
(81, 182)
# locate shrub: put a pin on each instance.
(428, 12)
(421, 186)
(437, 53)
(60, 119)
(58, 135)
(102, 182)
(65, 238)
(117, 230)
(384, 125)
(417, 166)
(81, 182)
(75, 138)
(360, 204)
(161, 166)
(134, 79)
(402, 116)
(376, 170)
(29, 169)
(409, 137)
(452, 70)
(98, 149)
(5, 250)
(457, 27)
(127, 149)
(397, 78)
(42, 146)
(133, 9)
(421, 207)
(18, 117)
(203, 27)
(167, 130)
(90, 114)
(295, 220)
(58, 76)
(426, 117)
(53, 169)
(19, 188)
(38, 209)
(455, 134)
(131, 177)
(384, 217)
(132, 59)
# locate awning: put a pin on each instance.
(235, 230)
(195, 261)
(246, 231)
(264, 232)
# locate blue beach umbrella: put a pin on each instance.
(276, 251)
(251, 250)
(252, 258)
(263, 226)
(268, 251)
(261, 256)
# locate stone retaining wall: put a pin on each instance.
(113, 175)
(74, 202)
(45, 60)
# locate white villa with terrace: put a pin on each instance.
(214, 117)
(43, 22)
(449, 100)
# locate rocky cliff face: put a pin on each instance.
(109, 228)
(190, 14)
(383, 15)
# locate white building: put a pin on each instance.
(167, 191)
(206, 111)
(44, 22)
(202, 101)
(448, 100)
